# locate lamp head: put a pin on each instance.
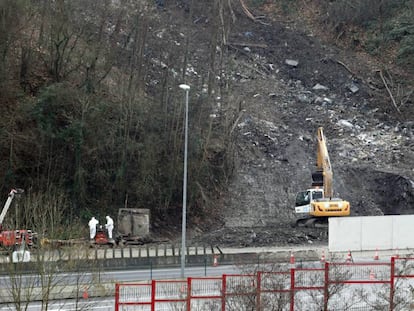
(184, 87)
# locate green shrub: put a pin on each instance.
(405, 54)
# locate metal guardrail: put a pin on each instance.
(106, 252)
(335, 286)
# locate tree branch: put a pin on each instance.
(389, 91)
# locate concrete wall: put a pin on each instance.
(371, 233)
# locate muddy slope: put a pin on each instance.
(286, 84)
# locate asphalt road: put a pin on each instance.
(110, 277)
(107, 303)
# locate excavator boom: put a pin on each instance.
(323, 165)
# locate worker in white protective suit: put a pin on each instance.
(109, 226)
(92, 227)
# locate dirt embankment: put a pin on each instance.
(289, 83)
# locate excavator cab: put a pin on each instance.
(304, 199)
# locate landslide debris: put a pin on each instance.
(288, 83)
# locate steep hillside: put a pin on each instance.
(94, 114)
(289, 83)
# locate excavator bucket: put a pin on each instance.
(317, 179)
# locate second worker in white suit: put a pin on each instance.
(109, 226)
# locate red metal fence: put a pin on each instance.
(334, 286)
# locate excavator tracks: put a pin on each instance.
(313, 222)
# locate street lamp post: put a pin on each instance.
(186, 88)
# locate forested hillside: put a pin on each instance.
(92, 115)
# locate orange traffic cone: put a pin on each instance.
(215, 261)
(372, 275)
(323, 256)
(85, 294)
(292, 261)
(376, 256)
(397, 255)
(349, 257)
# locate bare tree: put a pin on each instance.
(44, 280)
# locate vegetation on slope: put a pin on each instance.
(92, 113)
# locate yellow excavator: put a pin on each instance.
(314, 206)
